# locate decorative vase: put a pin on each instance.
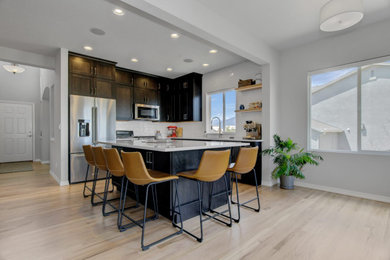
(287, 182)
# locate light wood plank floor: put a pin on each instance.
(40, 220)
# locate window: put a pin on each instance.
(223, 105)
(350, 108)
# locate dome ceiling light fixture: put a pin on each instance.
(337, 15)
(13, 68)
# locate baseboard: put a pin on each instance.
(36, 160)
(55, 177)
(344, 192)
(45, 162)
(268, 183)
(64, 183)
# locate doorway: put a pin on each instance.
(16, 131)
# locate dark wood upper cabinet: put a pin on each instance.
(81, 65)
(91, 77)
(81, 85)
(104, 70)
(104, 88)
(124, 102)
(123, 77)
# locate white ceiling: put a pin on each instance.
(287, 23)
(42, 26)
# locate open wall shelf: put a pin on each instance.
(250, 87)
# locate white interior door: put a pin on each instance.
(16, 132)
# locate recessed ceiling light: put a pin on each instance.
(134, 60)
(175, 35)
(213, 51)
(88, 48)
(205, 65)
(118, 11)
(169, 69)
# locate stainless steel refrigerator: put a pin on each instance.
(91, 120)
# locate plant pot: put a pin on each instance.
(287, 182)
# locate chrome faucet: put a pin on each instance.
(219, 125)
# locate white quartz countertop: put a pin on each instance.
(172, 145)
(222, 139)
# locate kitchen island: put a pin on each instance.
(174, 156)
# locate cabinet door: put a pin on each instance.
(80, 85)
(81, 65)
(123, 77)
(139, 96)
(104, 70)
(140, 81)
(151, 97)
(124, 102)
(104, 88)
(152, 83)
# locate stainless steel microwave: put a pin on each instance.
(147, 112)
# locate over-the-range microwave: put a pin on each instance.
(146, 112)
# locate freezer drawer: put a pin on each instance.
(78, 168)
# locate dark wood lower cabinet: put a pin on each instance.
(173, 163)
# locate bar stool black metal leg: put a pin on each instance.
(144, 220)
(228, 200)
(94, 188)
(200, 214)
(120, 227)
(238, 200)
(106, 186)
(257, 192)
(120, 203)
(85, 182)
(136, 195)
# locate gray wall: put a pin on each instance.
(363, 175)
(23, 87)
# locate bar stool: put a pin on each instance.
(244, 164)
(115, 168)
(212, 167)
(137, 173)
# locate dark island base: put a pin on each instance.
(173, 163)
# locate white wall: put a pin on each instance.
(47, 78)
(24, 87)
(363, 175)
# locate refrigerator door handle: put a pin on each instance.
(94, 125)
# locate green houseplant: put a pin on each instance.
(289, 160)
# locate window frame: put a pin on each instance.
(358, 65)
(208, 129)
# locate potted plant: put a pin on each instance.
(290, 160)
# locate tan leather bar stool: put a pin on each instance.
(212, 167)
(245, 164)
(137, 173)
(115, 168)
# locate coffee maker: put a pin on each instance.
(253, 130)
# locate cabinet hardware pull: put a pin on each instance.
(95, 70)
(90, 70)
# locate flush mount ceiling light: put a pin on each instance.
(213, 51)
(338, 15)
(169, 69)
(134, 60)
(88, 48)
(118, 12)
(205, 65)
(175, 35)
(13, 68)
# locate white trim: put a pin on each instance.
(37, 160)
(268, 183)
(64, 183)
(55, 177)
(33, 120)
(344, 192)
(45, 162)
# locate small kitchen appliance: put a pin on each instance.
(253, 130)
(172, 131)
